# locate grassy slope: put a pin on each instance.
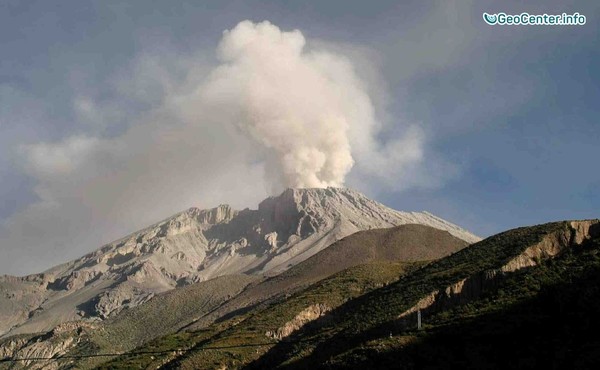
(162, 315)
(171, 311)
(367, 321)
(249, 329)
(540, 317)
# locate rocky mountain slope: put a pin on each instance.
(525, 298)
(197, 305)
(406, 243)
(192, 246)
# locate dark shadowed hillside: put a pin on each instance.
(521, 299)
(486, 289)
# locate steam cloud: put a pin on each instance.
(308, 108)
(288, 100)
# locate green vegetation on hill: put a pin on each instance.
(248, 331)
(540, 317)
(363, 329)
(369, 319)
(162, 315)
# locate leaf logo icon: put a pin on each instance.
(490, 19)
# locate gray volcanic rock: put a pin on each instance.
(196, 245)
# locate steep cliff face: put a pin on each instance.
(470, 288)
(303, 317)
(193, 246)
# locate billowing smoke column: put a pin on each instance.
(291, 101)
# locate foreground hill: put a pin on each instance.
(523, 298)
(200, 304)
(196, 245)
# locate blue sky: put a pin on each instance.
(509, 114)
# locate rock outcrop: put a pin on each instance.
(53, 344)
(470, 288)
(305, 316)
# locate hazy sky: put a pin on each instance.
(116, 114)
